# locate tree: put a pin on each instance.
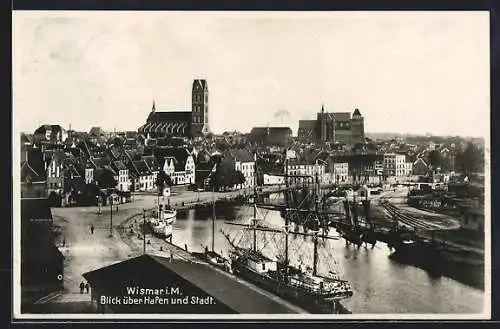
(237, 178)
(106, 180)
(162, 180)
(435, 160)
(470, 160)
(259, 176)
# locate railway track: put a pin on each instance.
(409, 220)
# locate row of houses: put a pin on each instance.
(67, 173)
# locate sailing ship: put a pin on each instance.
(210, 255)
(305, 287)
(359, 228)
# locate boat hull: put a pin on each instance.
(313, 302)
(169, 217)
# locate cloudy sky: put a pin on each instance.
(407, 72)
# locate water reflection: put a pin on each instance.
(381, 285)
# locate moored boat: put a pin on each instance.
(315, 291)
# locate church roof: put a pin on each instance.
(342, 116)
(169, 116)
(173, 123)
(356, 112)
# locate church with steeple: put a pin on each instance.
(180, 123)
(333, 127)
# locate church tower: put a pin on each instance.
(357, 128)
(199, 119)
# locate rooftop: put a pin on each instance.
(193, 278)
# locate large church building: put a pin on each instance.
(336, 127)
(181, 123)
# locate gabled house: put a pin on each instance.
(203, 167)
(74, 183)
(143, 177)
(89, 168)
(244, 162)
(420, 167)
(184, 165)
(153, 165)
(123, 176)
(55, 176)
(169, 166)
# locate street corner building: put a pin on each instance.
(41, 261)
(192, 123)
(333, 127)
(186, 285)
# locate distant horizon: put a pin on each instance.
(247, 132)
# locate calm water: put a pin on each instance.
(380, 284)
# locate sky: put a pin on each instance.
(407, 72)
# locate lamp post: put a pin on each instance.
(111, 216)
(144, 231)
(98, 204)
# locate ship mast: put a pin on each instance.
(255, 205)
(286, 205)
(315, 260)
(315, 237)
(213, 218)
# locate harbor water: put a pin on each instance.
(380, 284)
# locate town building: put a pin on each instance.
(181, 123)
(336, 127)
(50, 133)
(123, 177)
(341, 172)
(273, 179)
(394, 164)
(142, 176)
(153, 165)
(297, 167)
(193, 280)
(397, 166)
(41, 261)
(245, 163)
(204, 166)
(179, 164)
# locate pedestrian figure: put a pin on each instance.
(92, 229)
(87, 287)
(64, 242)
(82, 286)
